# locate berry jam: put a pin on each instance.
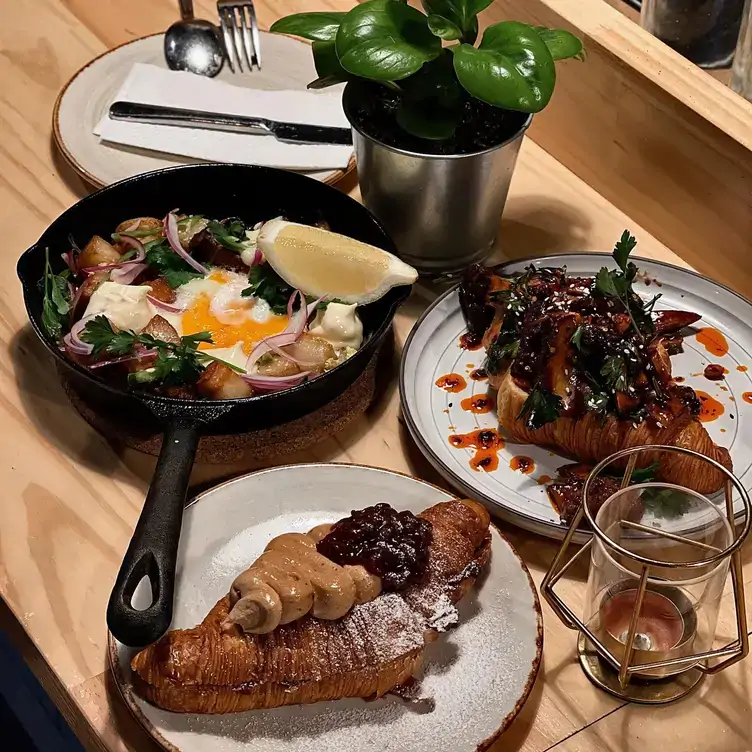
(389, 544)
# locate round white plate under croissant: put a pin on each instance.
(476, 676)
(83, 101)
(516, 488)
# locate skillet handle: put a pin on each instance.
(153, 548)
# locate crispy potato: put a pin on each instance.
(220, 382)
(144, 223)
(311, 349)
(160, 328)
(88, 286)
(275, 365)
(161, 290)
(98, 252)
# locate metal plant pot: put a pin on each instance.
(442, 211)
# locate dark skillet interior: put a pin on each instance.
(215, 190)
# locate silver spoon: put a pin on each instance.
(193, 44)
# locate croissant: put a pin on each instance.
(590, 439)
(375, 647)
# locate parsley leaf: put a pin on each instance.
(576, 338)
(614, 371)
(230, 234)
(169, 265)
(541, 407)
(266, 284)
(56, 303)
(499, 350)
(664, 502)
(644, 474)
(625, 245)
(175, 363)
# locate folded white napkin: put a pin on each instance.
(149, 84)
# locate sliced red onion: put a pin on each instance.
(123, 359)
(133, 226)
(273, 383)
(292, 332)
(169, 307)
(258, 258)
(137, 245)
(286, 355)
(76, 299)
(73, 339)
(171, 232)
(127, 273)
(70, 260)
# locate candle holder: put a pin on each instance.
(660, 558)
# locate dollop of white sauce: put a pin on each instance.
(340, 325)
(125, 306)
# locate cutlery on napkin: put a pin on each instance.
(152, 85)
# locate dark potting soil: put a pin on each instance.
(373, 109)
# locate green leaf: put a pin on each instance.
(576, 338)
(443, 27)
(561, 44)
(614, 371)
(320, 26)
(385, 41)
(541, 407)
(169, 265)
(605, 283)
(596, 402)
(664, 502)
(266, 284)
(461, 12)
(512, 68)
(56, 303)
(230, 235)
(624, 246)
(644, 474)
(327, 64)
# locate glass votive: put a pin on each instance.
(703, 31)
(677, 601)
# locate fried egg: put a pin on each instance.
(215, 304)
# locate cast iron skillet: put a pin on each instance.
(217, 191)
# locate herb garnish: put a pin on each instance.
(644, 474)
(230, 234)
(614, 371)
(576, 338)
(597, 402)
(169, 265)
(175, 364)
(666, 503)
(56, 304)
(265, 283)
(541, 407)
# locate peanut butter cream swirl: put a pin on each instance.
(290, 579)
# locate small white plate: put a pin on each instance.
(479, 674)
(288, 64)
(433, 414)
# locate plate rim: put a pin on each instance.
(525, 522)
(126, 692)
(332, 178)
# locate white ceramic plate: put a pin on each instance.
(288, 64)
(479, 674)
(432, 414)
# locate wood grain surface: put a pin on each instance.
(71, 499)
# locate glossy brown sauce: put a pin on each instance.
(544, 479)
(486, 441)
(710, 408)
(747, 397)
(451, 382)
(470, 341)
(743, 369)
(714, 372)
(479, 404)
(713, 341)
(522, 464)
(679, 379)
(479, 374)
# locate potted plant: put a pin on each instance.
(436, 127)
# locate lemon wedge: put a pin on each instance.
(322, 263)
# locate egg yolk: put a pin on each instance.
(199, 318)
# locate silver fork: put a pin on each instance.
(237, 19)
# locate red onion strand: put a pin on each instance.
(164, 306)
(171, 233)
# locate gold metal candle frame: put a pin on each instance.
(691, 668)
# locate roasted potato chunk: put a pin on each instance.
(161, 290)
(144, 223)
(275, 365)
(312, 350)
(88, 286)
(220, 382)
(160, 328)
(98, 252)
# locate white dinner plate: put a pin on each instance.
(432, 414)
(288, 64)
(479, 674)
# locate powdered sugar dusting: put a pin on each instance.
(474, 673)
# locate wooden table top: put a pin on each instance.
(71, 499)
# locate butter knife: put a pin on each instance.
(289, 132)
